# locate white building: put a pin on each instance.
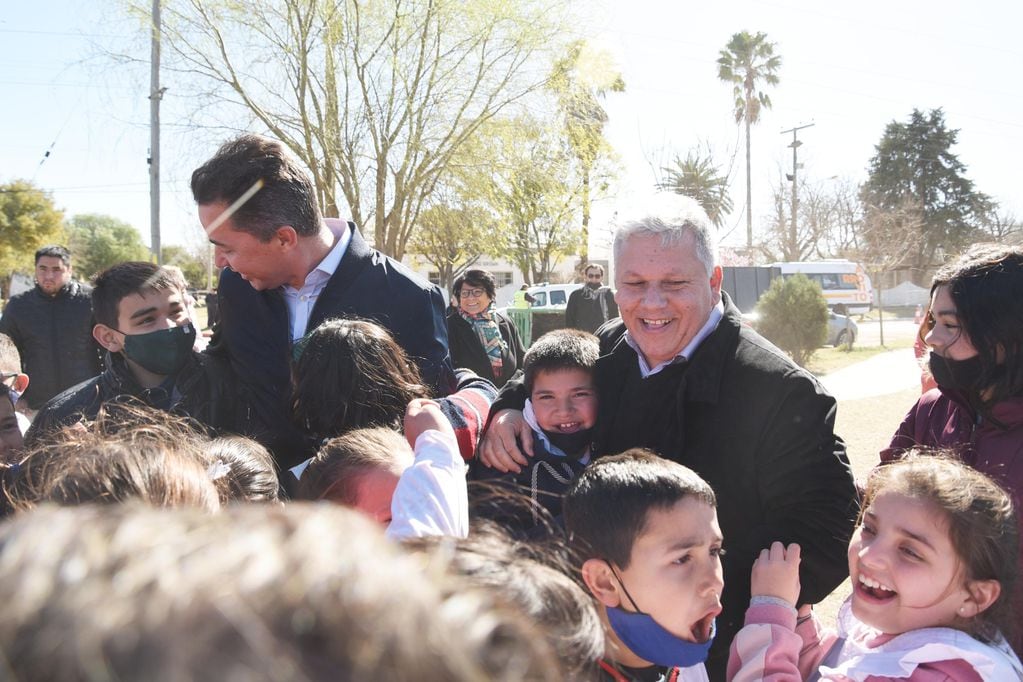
(508, 277)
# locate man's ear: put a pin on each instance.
(285, 236)
(601, 582)
(983, 593)
(20, 383)
(716, 275)
(109, 338)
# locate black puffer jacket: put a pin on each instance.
(54, 337)
(204, 390)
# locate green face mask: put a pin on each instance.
(161, 352)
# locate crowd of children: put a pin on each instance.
(190, 556)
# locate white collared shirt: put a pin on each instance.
(300, 302)
(645, 370)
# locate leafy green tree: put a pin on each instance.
(375, 97)
(746, 62)
(193, 265)
(698, 177)
(99, 241)
(28, 220)
(793, 315)
(581, 80)
(914, 163)
(534, 190)
(452, 237)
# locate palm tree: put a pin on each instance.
(697, 177)
(746, 61)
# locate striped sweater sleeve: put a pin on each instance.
(467, 409)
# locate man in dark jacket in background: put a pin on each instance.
(52, 327)
(593, 305)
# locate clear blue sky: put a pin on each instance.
(848, 67)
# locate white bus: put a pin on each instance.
(845, 284)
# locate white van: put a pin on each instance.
(845, 284)
(551, 296)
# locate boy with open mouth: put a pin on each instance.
(647, 536)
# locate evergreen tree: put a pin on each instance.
(793, 315)
(914, 163)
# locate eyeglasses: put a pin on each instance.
(4, 376)
(597, 276)
(471, 293)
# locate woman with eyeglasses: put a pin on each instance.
(974, 331)
(479, 337)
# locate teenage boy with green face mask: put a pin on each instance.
(143, 323)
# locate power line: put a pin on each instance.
(27, 31)
(51, 84)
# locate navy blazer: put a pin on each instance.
(255, 333)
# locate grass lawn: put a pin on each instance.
(827, 359)
(866, 426)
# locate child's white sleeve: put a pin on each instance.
(431, 497)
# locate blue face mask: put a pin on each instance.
(651, 642)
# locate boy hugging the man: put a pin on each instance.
(142, 321)
(646, 534)
(562, 411)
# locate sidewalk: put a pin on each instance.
(882, 374)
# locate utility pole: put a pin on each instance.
(793, 234)
(155, 95)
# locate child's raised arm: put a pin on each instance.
(424, 415)
(431, 496)
(773, 644)
(776, 573)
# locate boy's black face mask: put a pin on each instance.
(575, 444)
(161, 352)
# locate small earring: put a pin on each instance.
(961, 609)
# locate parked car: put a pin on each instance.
(547, 297)
(551, 296)
(841, 329)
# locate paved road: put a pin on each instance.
(894, 330)
(881, 374)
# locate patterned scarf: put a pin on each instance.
(490, 336)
